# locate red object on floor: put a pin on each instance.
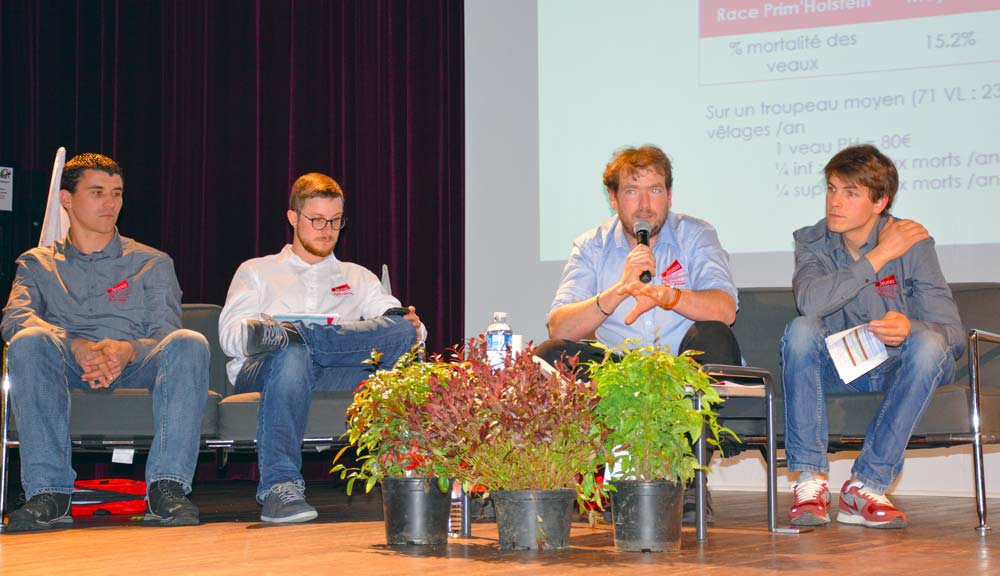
(108, 496)
(605, 500)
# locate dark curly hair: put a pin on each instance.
(87, 161)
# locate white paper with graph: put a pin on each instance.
(855, 351)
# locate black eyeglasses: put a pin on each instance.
(319, 223)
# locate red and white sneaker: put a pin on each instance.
(858, 505)
(812, 503)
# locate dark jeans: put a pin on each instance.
(330, 359)
(42, 370)
(713, 338)
(908, 380)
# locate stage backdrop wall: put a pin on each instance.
(214, 108)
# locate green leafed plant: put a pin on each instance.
(389, 443)
(515, 428)
(646, 404)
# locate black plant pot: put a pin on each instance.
(647, 515)
(415, 512)
(533, 519)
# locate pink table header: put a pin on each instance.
(732, 17)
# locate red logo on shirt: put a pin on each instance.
(119, 292)
(887, 287)
(674, 275)
(342, 290)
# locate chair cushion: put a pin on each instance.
(238, 416)
(948, 413)
(121, 414)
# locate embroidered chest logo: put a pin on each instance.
(342, 290)
(119, 292)
(887, 287)
(674, 275)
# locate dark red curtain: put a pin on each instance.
(214, 107)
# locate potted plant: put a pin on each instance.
(647, 405)
(522, 433)
(391, 450)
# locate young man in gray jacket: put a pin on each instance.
(860, 265)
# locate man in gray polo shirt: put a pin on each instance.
(96, 310)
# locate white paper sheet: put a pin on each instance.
(855, 351)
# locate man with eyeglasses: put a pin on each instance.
(287, 360)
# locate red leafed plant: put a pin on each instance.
(390, 444)
(521, 427)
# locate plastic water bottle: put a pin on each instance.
(498, 337)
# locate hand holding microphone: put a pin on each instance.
(641, 229)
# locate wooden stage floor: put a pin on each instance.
(348, 538)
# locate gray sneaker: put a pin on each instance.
(267, 335)
(286, 503)
(42, 512)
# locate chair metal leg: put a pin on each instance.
(977, 456)
(5, 416)
(772, 463)
(974, 417)
(699, 480)
(723, 371)
(221, 462)
(772, 469)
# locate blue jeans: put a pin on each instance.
(908, 380)
(331, 359)
(42, 370)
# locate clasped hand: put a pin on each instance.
(102, 362)
(647, 296)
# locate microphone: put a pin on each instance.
(641, 229)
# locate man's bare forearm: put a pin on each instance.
(579, 319)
